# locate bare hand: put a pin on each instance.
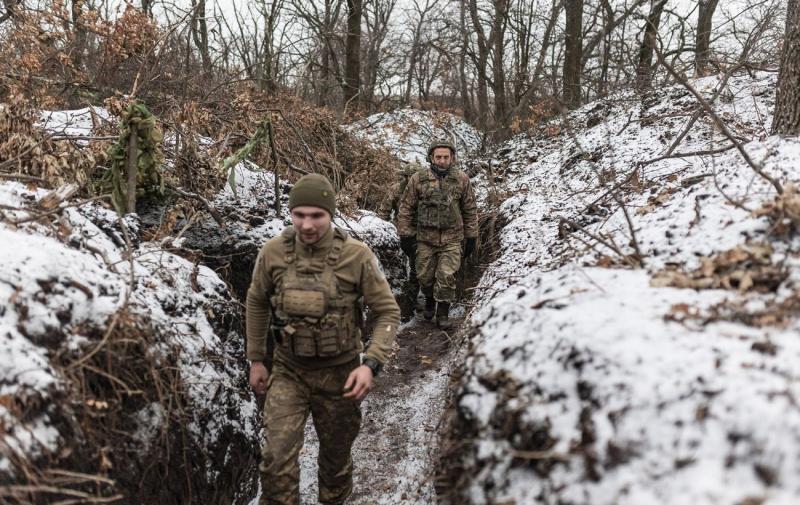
(359, 383)
(258, 377)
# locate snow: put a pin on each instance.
(616, 401)
(62, 281)
(79, 122)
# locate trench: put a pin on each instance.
(397, 457)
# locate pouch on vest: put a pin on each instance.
(436, 212)
(304, 303)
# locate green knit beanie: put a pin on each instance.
(314, 190)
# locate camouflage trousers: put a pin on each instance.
(291, 395)
(437, 266)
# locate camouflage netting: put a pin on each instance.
(27, 150)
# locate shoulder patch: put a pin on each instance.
(288, 232)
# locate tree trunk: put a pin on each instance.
(80, 33)
(703, 41)
(787, 104)
(644, 68)
(482, 65)
(573, 45)
(466, 100)
(200, 32)
(498, 43)
(352, 72)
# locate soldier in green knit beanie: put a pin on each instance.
(304, 343)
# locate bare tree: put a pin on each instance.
(79, 27)
(573, 45)
(644, 70)
(481, 60)
(351, 85)
(498, 40)
(377, 16)
(787, 106)
(466, 99)
(270, 12)
(421, 12)
(491, 44)
(705, 15)
(200, 32)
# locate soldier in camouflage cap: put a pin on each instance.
(304, 343)
(437, 213)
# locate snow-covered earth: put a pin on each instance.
(593, 382)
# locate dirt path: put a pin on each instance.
(394, 454)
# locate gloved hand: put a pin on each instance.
(469, 246)
(409, 245)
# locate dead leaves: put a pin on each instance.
(657, 201)
(744, 268)
(783, 212)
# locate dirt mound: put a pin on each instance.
(123, 371)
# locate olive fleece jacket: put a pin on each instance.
(356, 270)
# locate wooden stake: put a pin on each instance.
(133, 170)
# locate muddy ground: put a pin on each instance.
(395, 453)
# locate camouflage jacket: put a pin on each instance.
(356, 272)
(438, 210)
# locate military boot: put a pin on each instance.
(430, 304)
(443, 316)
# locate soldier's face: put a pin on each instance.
(311, 223)
(442, 157)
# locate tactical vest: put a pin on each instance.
(319, 318)
(438, 205)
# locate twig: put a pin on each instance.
(600, 240)
(34, 216)
(276, 178)
(84, 137)
(211, 209)
(16, 491)
(718, 121)
(540, 455)
(706, 152)
(639, 257)
(309, 153)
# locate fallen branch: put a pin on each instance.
(541, 455)
(718, 121)
(211, 209)
(706, 152)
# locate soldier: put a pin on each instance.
(306, 288)
(389, 210)
(438, 212)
